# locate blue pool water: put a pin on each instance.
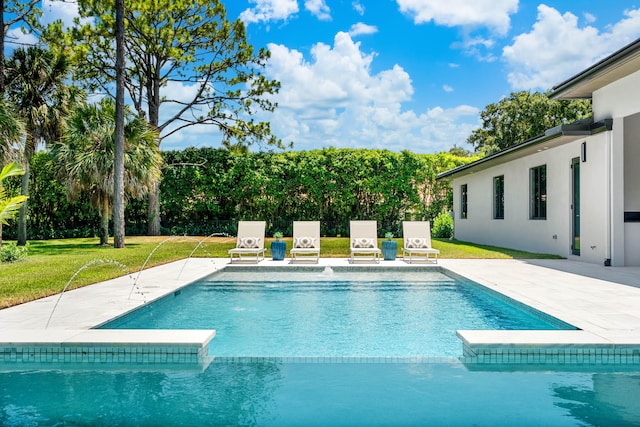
(291, 314)
(309, 391)
(316, 394)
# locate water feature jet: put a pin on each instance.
(327, 272)
(84, 267)
(196, 248)
(146, 261)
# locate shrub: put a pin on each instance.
(443, 225)
(9, 252)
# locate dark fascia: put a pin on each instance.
(615, 57)
(583, 127)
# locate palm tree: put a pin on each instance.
(11, 130)
(35, 84)
(9, 206)
(84, 158)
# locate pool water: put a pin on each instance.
(363, 315)
(294, 314)
(272, 393)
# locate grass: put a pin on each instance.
(52, 263)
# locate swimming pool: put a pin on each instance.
(340, 313)
(317, 390)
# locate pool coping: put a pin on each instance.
(601, 303)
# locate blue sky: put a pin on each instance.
(411, 74)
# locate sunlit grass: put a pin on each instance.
(52, 263)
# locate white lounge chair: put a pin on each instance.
(250, 242)
(363, 237)
(306, 241)
(417, 242)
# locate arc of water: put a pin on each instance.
(146, 261)
(84, 267)
(195, 249)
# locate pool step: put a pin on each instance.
(102, 346)
(545, 347)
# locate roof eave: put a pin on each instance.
(578, 129)
(627, 53)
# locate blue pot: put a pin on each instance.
(389, 250)
(278, 250)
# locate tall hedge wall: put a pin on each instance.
(207, 190)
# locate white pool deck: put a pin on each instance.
(602, 302)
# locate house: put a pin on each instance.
(574, 191)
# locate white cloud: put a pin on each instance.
(358, 7)
(589, 18)
(54, 10)
(478, 47)
(318, 8)
(447, 88)
(193, 136)
(492, 14)
(448, 127)
(334, 99)
(338, 75)
(269, 10)
(16, 38)
(557, 48)
(361, 28)
(51, 11)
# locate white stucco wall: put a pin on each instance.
(516, 230)
(593, 200)
(618, 99)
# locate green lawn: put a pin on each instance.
(52, 263)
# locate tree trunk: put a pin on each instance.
(2, 55)
(104, 225)
(153, 216)
(22, 213)
(0, 234)
(118, 185)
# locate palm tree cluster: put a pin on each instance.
(40, 109)
(84, 158)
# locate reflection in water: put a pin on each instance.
(269, 392)
(227, 394)
(612, 400)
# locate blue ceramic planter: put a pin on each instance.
(278, 249)
(389, 250)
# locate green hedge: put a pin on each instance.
(205, 191)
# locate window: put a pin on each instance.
(538, 192)
(498, 197)
(463, 201)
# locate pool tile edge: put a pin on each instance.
(545, 347)
(175, 347)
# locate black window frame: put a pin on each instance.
(538, 193)
(463, 201)
(498, 197)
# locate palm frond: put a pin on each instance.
(9, 207)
